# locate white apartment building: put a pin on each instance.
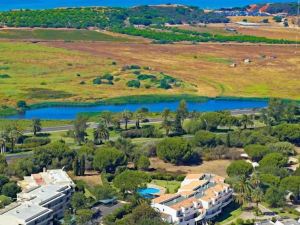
(200, 198)
(43, 199)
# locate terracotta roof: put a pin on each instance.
(218, 179)
(186, 193)
(193, 176)
(185, 203)
(193, 185)
(165, 197)
(219, 187)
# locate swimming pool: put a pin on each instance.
(148, 192)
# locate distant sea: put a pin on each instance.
(46, 4)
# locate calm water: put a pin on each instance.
(43, 4)
(71, 112)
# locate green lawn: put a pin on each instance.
(171, 186)
(230, 213)
(66, 35)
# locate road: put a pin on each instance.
(155, 120)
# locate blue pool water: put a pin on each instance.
(70, 112)
(148, 192)
(46, 4)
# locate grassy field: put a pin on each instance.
(63, 71)
(273, 72)
(171, 186)
(60, 34)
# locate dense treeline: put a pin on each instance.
(177, 35)
(107, 17)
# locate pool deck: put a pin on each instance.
(162, 190)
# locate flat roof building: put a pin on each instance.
(43, 199)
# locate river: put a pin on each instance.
(70, 112)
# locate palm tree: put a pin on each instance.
(126, 146)
(11, 134)
(167, 125)
(101, 133)
(107, 117)
(245, 121)
(257, 196)
(36, 126)
(140, 115)
(242, 188)
(165, 114)
(127, 115)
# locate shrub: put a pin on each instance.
(36, 141)
(164, 84)
(97, 80)
(4, 76)
(134, 83)
(108, 77)
(146, 76)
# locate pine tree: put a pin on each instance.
(82, 165)
(177, 124)
(76, 166)
(228, 144)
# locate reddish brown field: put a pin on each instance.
(274, 70)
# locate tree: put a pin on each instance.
(143, 163)
(107, 117)
(246, 121)
(166, 114)
(291, 184)
(83, 216)
(257, 196)
(182, 110)
(242, 187)
(104, 192)
(167, 125)
(109, 159)
(127, 115)
(277, 160)
(101, 133)
(21, 104)
(76, 166)
(3, 180)
(239, 168)
(175, 150)
(274, 197)
(78, 201)
(284, 148)
(144, 214)
(205, 138)
(256, 152)
(287, 132)
(10, 189)
(125, 146)
(140, 115)
(130, 180)
(80, 126)
(11, 133)
(82, 166)
(211, 120)
(178, 124)
(36, 126)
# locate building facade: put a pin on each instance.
(200, 198)
(43, 199)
